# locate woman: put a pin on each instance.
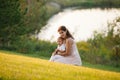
(71, 54)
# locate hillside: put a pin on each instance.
(16, 67)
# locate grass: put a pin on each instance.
(35, 55)
(85, 64)
(102, 67)
(18, 67)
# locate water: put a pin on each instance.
(81, 23)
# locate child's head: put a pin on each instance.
(60, 40)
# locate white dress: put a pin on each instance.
(61, 48)
(73, 58)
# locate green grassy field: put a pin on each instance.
(18, 67)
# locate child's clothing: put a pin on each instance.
(61, 48)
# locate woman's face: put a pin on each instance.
(62, 34)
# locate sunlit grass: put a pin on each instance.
(17, 67)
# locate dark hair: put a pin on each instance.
(63, 28)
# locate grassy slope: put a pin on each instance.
(16, 67)
(97, 66)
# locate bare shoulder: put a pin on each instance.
(69, 40)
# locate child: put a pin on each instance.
(59, 50)
(60, 47)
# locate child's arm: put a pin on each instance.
(61, 51)
(55, 52)
(69, 43)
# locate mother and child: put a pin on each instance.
(66, 51)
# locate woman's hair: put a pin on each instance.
(63, 28)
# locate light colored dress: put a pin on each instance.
(59, 47)
(72, 58)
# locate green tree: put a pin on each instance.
(19, 17)
(36, 16)
(106, 45)
(10, 20)
(113, 40)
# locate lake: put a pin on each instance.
(80, 22)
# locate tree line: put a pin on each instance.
(103, 47)
(19, 18)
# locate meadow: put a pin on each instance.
(24, 57)
(18, 67)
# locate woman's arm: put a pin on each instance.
(69, 43)
(61, 51)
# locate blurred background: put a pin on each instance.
(29, 27)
